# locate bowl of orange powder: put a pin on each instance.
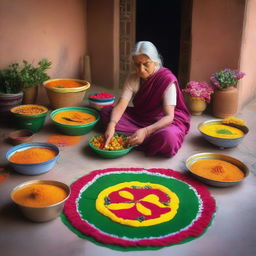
(40, 200)
(33, 158)
(65, 92)
(30, 116)
(216, 169)
(75, 120)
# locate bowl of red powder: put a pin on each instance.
(33, 158)
(20, 137)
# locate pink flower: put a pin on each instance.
(199, 89)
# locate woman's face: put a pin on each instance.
(144, 66)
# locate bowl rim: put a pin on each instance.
(59, 110)
(30, 134)
(33, 115)
(108, 151)
(67, 90)
(14, 149)
(205, 155)
(50, 182)
(218, 121)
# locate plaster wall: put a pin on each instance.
(103, 41)
(216, 36)
(247, 86)
(33, 30)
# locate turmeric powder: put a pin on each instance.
(222, 131)
(39, 195)
(29, 109)
(32, 156)
(64, 140)
(216, 169)
(64, 84)
(73, 117)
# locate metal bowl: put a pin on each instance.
(222, 142)
(46, 213)
(194, 158)
(33, 169)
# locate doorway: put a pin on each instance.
(160, 23)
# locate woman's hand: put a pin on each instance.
(138, 137)
(109, 133)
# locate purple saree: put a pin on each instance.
(148, 108)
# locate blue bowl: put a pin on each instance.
(33, 169)
(222, 142)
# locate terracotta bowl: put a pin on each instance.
(20, 137)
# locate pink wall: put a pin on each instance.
(247, 86)
(103, 41)
(55, 30)
(216, 36)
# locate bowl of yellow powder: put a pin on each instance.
(222, 134)
(40, 200)
(75, 120)
(33, 158)
(216, 169)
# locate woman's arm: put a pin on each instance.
(116, 114)
(139, 136)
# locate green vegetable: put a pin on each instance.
(224, 131)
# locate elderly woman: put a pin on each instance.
(159, 120)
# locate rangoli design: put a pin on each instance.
(138, 209)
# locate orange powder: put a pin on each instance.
(73, 117)
(29, 110)
(39, 195)
(64, 84)
(215, 169)
(32, 156)
(64, 140)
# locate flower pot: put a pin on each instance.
(196, 105)
(225, 102)
(8, 101)
(30, 95)
(60, 97)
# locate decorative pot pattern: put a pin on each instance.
(8, 101)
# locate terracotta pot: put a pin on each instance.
(30, 95)
(8, 101)
(66, 97)
(225, 102)
(196, 105)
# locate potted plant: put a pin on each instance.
(10, 88)
(31, 77)
(225, 97)
(199, 94)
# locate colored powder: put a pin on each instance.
(222, 131)
(216, 169)
(64, 84)
(32, 156)
(39, 195)
(4, 174)
(64, 140)
(74, 117)
(29, 109)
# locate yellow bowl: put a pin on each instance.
(194, 158)
(45, 213)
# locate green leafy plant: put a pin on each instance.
(21, 76)
(32, 76)
(10, 79)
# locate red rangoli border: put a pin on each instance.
(196, 229)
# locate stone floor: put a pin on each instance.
(232, 232)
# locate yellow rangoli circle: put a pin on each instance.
(128, 203)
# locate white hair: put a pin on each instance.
(148, 49)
